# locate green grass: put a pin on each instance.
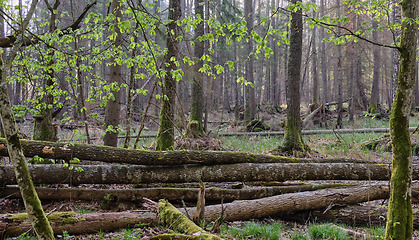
(252, 230)
(327, 231)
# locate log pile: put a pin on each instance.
(148, 167)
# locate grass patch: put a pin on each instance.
(327, 231)
(252, 230)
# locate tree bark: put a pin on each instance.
(293, 140)
(113, 105)
(195, 128)
(250, 103)
(354, 215)
(240, 210)
(325, 94)
(14, 225)
(123, 174)
(143, 157)
(171, 194)
(399, 217)
(165, 135)
(375, 88)
(33, 206)
(43, 129)
(338, 75)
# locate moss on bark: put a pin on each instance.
(399, 216)
(169, 215)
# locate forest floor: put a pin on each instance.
(322, 146)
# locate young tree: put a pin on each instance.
(293, 140)
(165, 135)
(30, 198)
(399, 216)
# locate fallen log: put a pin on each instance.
(354, 215)
(313, 132)
(281, 133)
(16, 224)
(53, 150)
(12, 225)
(186, 194)
(245, 172)
(170, 216)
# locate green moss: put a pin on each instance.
(60, 218)
(63, 218)
(20, 217)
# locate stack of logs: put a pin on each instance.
(180, 167)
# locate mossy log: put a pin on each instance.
(16, 224)
(53, 150)
(240, 210)
(354, 215)
(186, 194)
(170, 216)
(127, 174)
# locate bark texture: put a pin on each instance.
(14, 225)
(240, 210)
(399, 217)
(143, 157)
(22, 177)
(171, 194)
(250, 98)
(122, 174)
(293, 140)
(166, 133)
(354, 215)
(195, 128)
(170, 216)
(113, 106)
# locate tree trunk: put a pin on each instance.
(325, 95)
(293, 140)
(195, 128)
(113, 105)
(165, 135)
(33, 206)
(375, 89)
(42, 126)
(172, 194)
(339, 78)
(395, 19)
(144, 157)
(399, 217)
(123, 174)
(315, 98)
(250, 104)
